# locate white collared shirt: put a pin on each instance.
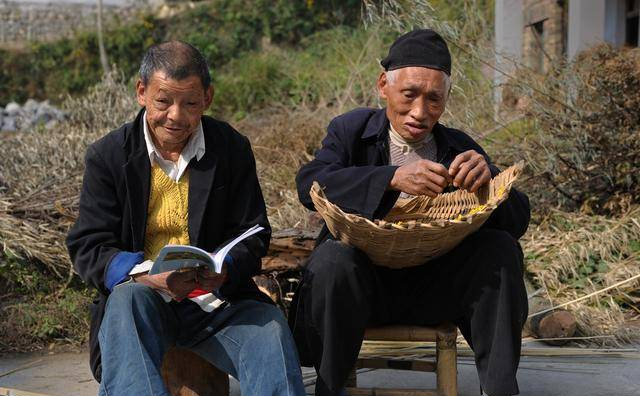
(195, 148)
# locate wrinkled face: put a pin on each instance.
(416, 98)
(173, 107)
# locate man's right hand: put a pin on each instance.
(178, 285)
(422, 177)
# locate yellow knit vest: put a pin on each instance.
(167, 213)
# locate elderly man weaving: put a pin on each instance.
(174, 176)
(367, 160)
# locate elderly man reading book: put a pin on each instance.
(368, 159)
(174, 176)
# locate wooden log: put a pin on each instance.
(269, 286)
(554, 327)
(187, 374)
(288, 250)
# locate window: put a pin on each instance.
(537, 50)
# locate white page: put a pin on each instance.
(219, 257)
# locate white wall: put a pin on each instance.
(586, 25)
(614, 22)
(508, 39)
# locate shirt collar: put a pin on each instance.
(405, 146)
(195, 146)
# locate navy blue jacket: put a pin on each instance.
(353, 167)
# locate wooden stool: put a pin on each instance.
(445, 364)
(185, 373)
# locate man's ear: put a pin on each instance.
(140, 91)
(208, 96)
(382, 85)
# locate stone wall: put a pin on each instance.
(24, 21)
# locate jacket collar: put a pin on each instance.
(378, 124)
(137, 172)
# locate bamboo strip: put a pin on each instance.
(586, 297)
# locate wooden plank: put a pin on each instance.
(17, 392)
(187, 374)
(407, 333)
(389, 392)
(288, 250)
(396, 364)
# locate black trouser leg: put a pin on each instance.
(496, 309)
(335, 301)
(480, 288)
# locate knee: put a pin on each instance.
(270, 324)
(503, 248)
(124, 297)
(334, 262)
(496, 238)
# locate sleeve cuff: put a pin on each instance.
(119, 267)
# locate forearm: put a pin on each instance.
(364, 190)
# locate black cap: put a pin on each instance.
(422, 47)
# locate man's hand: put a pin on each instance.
(470, 171)
(421, 177)
(209, 281)
(175, 284)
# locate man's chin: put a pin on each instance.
(175, 135)
(415, 134)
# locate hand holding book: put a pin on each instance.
(185, 257)
(182, 271)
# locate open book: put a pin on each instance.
(185, 257)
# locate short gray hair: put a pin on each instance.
(392, 76)
(177, 59)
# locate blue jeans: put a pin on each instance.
(248, 339)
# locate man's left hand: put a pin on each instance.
(470, 171)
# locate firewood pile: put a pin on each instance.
(282, 266)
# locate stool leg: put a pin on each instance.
(446, 364)
(187, 374)
(352, 379)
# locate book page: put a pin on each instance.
(181, 257)
(218, 259)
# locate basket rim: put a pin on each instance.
(410, 225)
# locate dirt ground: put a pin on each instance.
(67, 374)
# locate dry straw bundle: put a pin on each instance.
(418, 229)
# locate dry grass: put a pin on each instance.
(44, 173)
(570, 255)
(282, 141)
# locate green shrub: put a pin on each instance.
(222, 30)
(69, 66)
(335, 67)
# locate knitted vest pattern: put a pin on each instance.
(167, 213)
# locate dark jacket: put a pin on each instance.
(224, 200)
(353, 166)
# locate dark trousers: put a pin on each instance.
(478, 286)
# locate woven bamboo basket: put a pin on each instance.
(419, 229)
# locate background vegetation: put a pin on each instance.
(221, 29)
(280, 79)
